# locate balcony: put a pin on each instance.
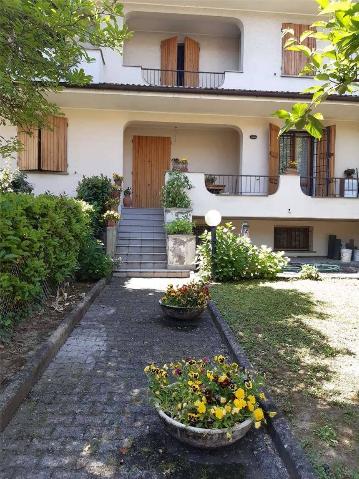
(330, 187)
(241, 185)
(182, 78)
(263, 197)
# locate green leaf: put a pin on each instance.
(283, 114)
(314, 127)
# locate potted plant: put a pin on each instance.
(118, 179)
(111, 217)
(127, 199)
(292, 167)
(181, 244)
(207, 404)
(349, 172)
(116, 191)
(186, 302)
(210, 180)
(179, 164)
(174, 197)
(112, 203)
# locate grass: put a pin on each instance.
(303, 336)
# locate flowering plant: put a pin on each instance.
(110, 215)
(117, 177)
(191, 295)
(181, 161)
(208, 394)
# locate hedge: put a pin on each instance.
(40, 241)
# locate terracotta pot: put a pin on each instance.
(127, 201)
(204, 438)
(118, 182)
(182, 314)
(179, 167)
(116, 193)
(111, 223)
(291, 171)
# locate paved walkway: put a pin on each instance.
(89, 417)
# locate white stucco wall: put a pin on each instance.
(217, 54)
(262, 232)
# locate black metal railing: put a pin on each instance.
(182, 78)
(241, 185)
(330, 187)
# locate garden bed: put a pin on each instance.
(30, 333)
(304, 336)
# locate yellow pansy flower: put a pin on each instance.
(219, 412)
(210, 375)
(258, 414)
(239, 393)
(222, 378)
(223, 400)
(250, 406)
(201, 407)
(240, 403)
(262, 396)
(228, 408)
(251, 399)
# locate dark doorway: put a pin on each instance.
(180, 64)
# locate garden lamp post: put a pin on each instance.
(213, 219)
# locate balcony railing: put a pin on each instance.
(330, 187)
(182, 78)
(241, 185)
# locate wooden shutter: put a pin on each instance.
(150, 161)
(169, 62)
(191, 62)
(325, 164)
(54, 145)
(273, 158)
(294, 62)
(28, 157)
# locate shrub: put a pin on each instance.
(179, 227)
(174, 193)
(309, 271)
(14, 181)
(237, 258)
(97, 191)
(40, 238)
(111, 215)
(94, 264)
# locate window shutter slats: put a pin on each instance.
(191, 62)
(169, 62)
(54, 145)
(294, 62)
(28, 157)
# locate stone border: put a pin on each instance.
(279, 429)
(24, 380)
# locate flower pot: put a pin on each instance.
(172, 214)
(291, 171)
(204, 438)
(346, 255)
(116, 193)
(356, 255)
(127, 201)
(111, 223)
(118, 182)
(184, 314)
(181, 252)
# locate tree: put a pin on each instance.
(42, 43)
(335, 65)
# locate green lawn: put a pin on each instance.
(304, 337)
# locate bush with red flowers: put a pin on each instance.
(191, 295)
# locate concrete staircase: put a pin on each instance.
(141, 245)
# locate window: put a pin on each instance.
(45, 149)
(296, 151)
(292, 238)
(294, 62)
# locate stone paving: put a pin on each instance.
(89, 416)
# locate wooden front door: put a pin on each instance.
(151, 159)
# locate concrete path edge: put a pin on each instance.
(17, 390)
(279, 429)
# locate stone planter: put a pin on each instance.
(183, 314)
(181, 252)
(204, 438)
(172, 214)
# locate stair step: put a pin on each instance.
(140, 265)
(142, 235)
(140, 248)
(140, 229)
(142, 222)
(154, 273)
(143, 257)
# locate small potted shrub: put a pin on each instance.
(174, 197)
(210, 180)
(349, 172)
(207, 404)
(127, 198)
(292, 167)
(116, 192)
(117, 179)
(181, 244)
(112, 204)
(179, 164)
(111, 217)
(186, 302)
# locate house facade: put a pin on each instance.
(202, 82)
